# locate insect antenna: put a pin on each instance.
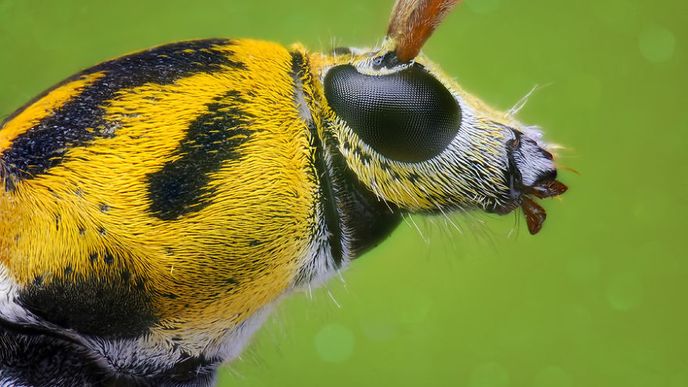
(412, 23)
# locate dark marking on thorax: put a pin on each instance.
(81, 120)
(181, 186)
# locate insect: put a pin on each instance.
(154, 207)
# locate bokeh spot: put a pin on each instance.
(334, 343)
(657, 44)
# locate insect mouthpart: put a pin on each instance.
(531, 174)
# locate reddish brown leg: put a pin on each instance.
(535, 215)
(547, 189)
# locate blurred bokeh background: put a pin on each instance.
(598, 298)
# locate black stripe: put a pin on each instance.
(34, 358)
(181, 186)
(34, 330)
(42, 358)
(92, 304)
(299, 67)
(81, 120)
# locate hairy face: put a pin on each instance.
(416, 139)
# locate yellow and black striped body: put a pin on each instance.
(152, 208)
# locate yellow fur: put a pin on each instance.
(215, 283)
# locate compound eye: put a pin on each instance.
(406, 116)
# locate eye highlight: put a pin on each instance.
(406, 116)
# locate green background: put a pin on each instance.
(598, 298)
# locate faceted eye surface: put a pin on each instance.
(406, 116)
